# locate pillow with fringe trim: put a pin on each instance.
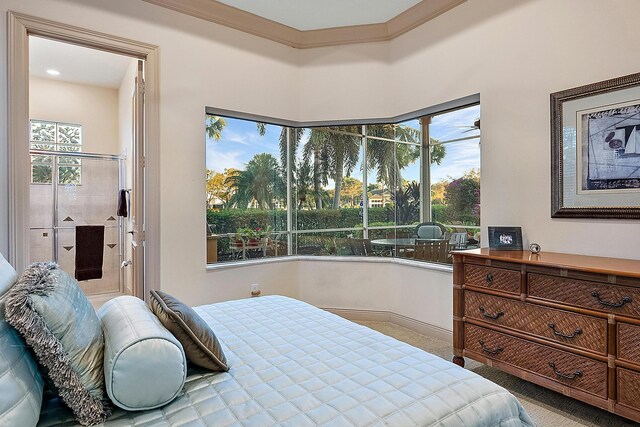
(48, 308)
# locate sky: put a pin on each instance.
(241, 141)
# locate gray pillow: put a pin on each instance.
(20, 380)
(55, 318)
(200, 343)
(144, 365)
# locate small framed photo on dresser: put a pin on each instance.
(505, 238)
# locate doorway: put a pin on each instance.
(88, 166)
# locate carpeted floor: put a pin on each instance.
(547, 408)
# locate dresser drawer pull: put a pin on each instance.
(560, 334)
(625, 300)
(486, 349)
(491, 316)
(489, 278)
(573, 376)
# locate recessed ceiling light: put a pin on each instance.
(53, 72)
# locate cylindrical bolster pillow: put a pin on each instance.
(144, 364)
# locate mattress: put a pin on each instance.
(295, 365)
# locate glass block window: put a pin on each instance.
(53, 136)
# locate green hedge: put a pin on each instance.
(228, 221)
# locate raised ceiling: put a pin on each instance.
(76, 64)
(314, 23)
(315, 15)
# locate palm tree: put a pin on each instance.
(335, 155)
(260, 183)
(303, 180)
(214, 126)
(389, 158)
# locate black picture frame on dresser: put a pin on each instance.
(505, 238)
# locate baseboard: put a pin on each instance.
(398, 319)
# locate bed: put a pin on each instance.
(296, 365)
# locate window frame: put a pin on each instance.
(424, 159)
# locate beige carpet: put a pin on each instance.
(547, 408)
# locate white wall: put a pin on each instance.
(275, 278)
(379, 285)
(513, 53)
(200, 64)
(93, 107)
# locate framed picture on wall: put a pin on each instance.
(595, 141)
(505, 238)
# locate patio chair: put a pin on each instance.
(433, 251)
(459, 240)
(430, 230)
(315, 245)
(361, 247)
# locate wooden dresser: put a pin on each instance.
(570, 323)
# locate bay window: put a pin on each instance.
(341, 190)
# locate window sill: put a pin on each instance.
(399, 261)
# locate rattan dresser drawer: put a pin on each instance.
(492, 278)
(577, 330)
(566, 368)
(594, 295)
(629, 342)
(629, 388)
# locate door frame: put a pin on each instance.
(20, 27)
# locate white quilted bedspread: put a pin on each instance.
(295, 365)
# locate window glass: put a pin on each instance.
(41, 170)
(455, 171)
(461, 123)
(393, 185)
(348, 190)
(52, 136)
(327, 178)
(246, 188)
(329, 243)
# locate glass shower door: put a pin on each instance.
(73, 190)
(87, 192)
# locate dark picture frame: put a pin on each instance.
(595, 140)
(505, 238)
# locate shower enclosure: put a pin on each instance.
(69, 189)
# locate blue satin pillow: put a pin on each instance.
(144, 364)
(56, 319)
(20, 380)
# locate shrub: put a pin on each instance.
(230, 220)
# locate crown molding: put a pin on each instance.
(229, 16)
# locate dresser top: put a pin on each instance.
(594, 264)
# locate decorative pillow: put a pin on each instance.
(55, 317)
(8, 277)
(144, 365)
(20, 381)
(199, 342)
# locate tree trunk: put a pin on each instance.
(317, 185)
(338, 187)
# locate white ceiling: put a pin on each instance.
(315, 14)
(76, 64)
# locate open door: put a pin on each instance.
(137, 191)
